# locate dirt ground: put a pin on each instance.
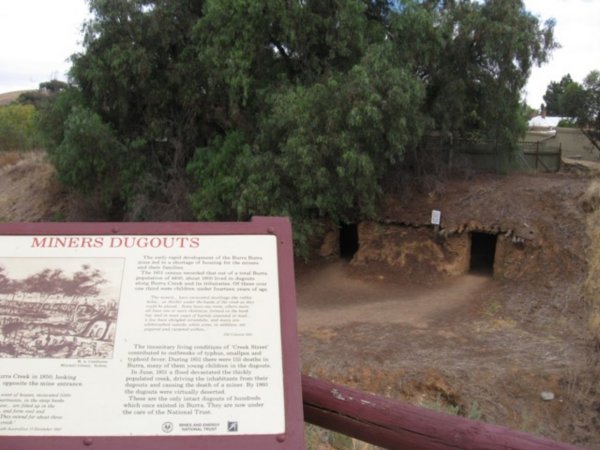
(482, 347)
(349, 299)
(477, 346)
(455, 347)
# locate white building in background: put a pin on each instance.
(543, 126)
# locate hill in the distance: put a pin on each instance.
(9, 97)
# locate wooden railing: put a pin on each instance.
(397, 425)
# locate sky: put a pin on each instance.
(578, 32)
(37, 37)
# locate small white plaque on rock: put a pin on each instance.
(547, 396)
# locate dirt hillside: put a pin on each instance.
(28, 190)
(9, 97)
(482, 347)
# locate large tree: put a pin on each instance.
(565, 98)
(554, 93)
(279, 107)
(483, 54)
(320, 106)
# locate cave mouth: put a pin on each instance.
(348, 240)
(483, 253)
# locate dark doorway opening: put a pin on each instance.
(348, 240)
(483, 252)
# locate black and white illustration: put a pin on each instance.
(59, 307)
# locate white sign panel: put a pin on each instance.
(140, 335)
(436, 217)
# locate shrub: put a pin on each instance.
(17, 128)
(87, 157)
(567, 123)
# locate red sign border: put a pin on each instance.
(293, 438)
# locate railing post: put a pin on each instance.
(398, 425)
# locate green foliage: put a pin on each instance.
(53, 115)
(88, 156)
(527, 112)
(567, 123)
(565, 98)
(17, 128)
(590, 113)
(275, 107)
(573, 101)
(589, 118)
(481, 58)
(33, 98)
(441, 405)
(44, 95)
(222, 169)
(322, 147)
(579, 102)
(553, 95)
(53, 86)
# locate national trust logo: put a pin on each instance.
(167, 427)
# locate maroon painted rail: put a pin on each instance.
(393, 424)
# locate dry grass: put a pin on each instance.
(592, 289)
(9, 158)
(590, 201)
(9, 97)
(28, 190)
(321, 439)
(582, 383)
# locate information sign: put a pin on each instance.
(156, 334)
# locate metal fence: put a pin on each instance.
(539, 157)
(489, 156)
